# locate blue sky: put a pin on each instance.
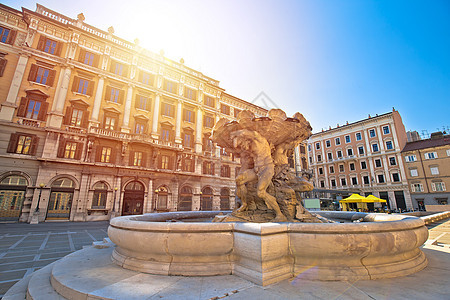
(333, 61)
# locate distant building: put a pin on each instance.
(362, 157)
(427, 164)
(106, 126)
(412, 136)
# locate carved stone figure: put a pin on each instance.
(267, 189)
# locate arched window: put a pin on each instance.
(224, 199)
(206, 199)
(134, 186)
(100, 192)
(185, 199)
(163, 194)
(63, 183)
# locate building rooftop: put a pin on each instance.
(436, 140)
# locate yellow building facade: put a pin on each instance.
(94, 125)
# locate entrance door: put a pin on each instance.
(206, 199)
(60, 201)
(133, 199)
(400, 200)
(59, 206)
(12, 193)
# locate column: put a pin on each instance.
(56, 115)
(155, 134)
(149, 205)
(97, 102)
(386, 170)
(178, 123)
(380, 140)
(408, 200)
(9, 106)
(80, 205)
(392, 201)
(118, 197)
(127, 112)
(198, 131)
(298, 161)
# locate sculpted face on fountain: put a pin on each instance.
(268, 191)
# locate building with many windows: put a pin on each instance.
(94, 125)
(427, 165)
(363, 157)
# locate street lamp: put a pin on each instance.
(39, 198)
(114, 202)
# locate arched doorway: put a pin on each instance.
(224, 199)
(133, 199)
(206, 199)
(100, 195)
(162, 198)
(60, 202)
(12, 193)
(185, 199)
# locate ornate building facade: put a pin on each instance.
(363, 157)
(93, 125)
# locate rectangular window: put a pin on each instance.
(322, 183)
(410, 158)
(339, 153)
(352, 167)
(317, 146)
(386, 130)
(70, 149)
(225, 171)
(413, 172)
(347, 139)
(33, 109)
(328, 143)
(208, 168)
(139, 128)
(417, 187)
(354, 181)
(209, 122)
(358, 136)
(77, 117)
(170, 86)
(225, 109)
(41, 75)
(4, 33)
(23, 144)
(337, 141)
(380, 178)
(319, 157)
(366, 180)
(434, 170)
(349, 151)
(147, 78)
(372, 133)
(341, 168)
(165, 135)
(438, 186)
(114, 95)
(110, 123)
(143, 102)
(330, 156)
(190, 93)
(320, 171)
(331, 169)
(88, 58)
(117, 68)
(83, 85)
(343, 182)
(378, 163)
(189, 116)
(209, 101)
(395, 177)
(168, 110)
(392, 161)
(106, 155)
(431, 155)
(187, 141)
(137, 159)
(333, 183)
(164, 162)
(363, 165)
(389, 145)
(375, 148)
(50, 46)
(361, 150)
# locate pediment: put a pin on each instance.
(79, 101)
(167, 123)
(37, 92)
(112, 110)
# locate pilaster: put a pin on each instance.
(156, 106)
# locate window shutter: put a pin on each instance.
(58, 49)
(79, 150)
(108, 93)
(76, 80)
(171, 161)
(412, 188)
(12, 146)
(11, 37)
(141, 77)
(443, 186)
(34, 144)
(41, 43)
(68, 115)
(131, 158)
(144, 160)
(121, 94)
(113, 156)
(43, 111)
(172, 111)
(61, 147)
(98, 154)
(435, 154)
(22, 110)
(51, 77)
(136, 101)
(85, 119)
(433, 186)
(81, 55)
(2, 66)
(33, 73)
(90, 89)
(125, 71)
(96, 59)
(148, 104)
(159, 162)
(212, 169)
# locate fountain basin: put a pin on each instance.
(382, 246)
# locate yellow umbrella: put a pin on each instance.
(375, 199)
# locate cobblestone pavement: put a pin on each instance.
(441, 231)
(25, 248)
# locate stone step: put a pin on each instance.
(40, 287)
(19, 290)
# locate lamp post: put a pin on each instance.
(115, 199)
(39, 198)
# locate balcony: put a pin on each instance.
(29, 122)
